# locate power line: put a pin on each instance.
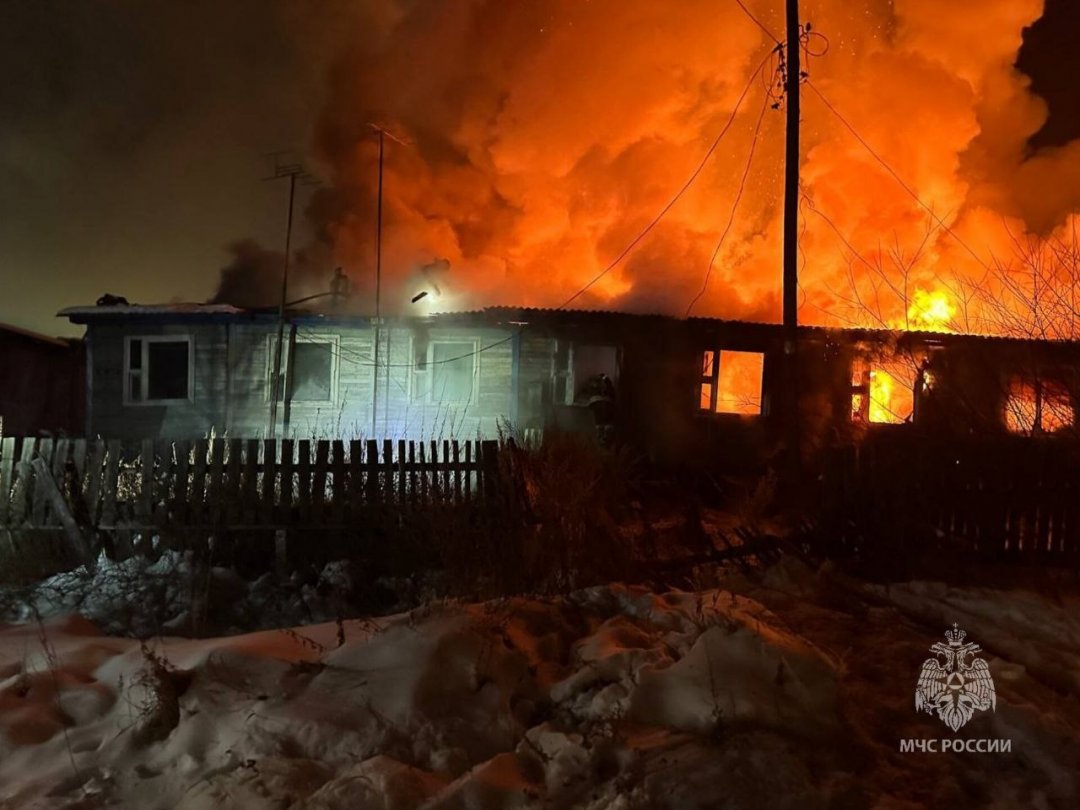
(758, 22)
(633, 243)
(895, 176)
(734, 205)
(685, 186)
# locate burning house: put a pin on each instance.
(699, 391)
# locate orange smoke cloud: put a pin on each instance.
(545, 136)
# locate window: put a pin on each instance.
(312, 372)
(452, 368)
(731, 382)
(310, 369)
(158, 369)
(1037, 406)
(882, 394)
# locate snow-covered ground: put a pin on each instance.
(789, 691)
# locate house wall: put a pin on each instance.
(231, 394)
(111, 418)
(42, 384)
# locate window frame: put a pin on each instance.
(429, 370)
(335, 365)
(713, 380)
(144, 360)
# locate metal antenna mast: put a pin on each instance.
(383, 134)
(292, 171)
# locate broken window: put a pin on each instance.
(158, 369)
(308, 365)
(731, 382)
(312, 372)
(453, 366)
(882, 393)
(1037, 406)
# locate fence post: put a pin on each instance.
(489, 462)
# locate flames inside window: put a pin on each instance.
(882, 393)
(1037, 406)
(731, 382)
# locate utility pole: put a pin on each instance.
(793, 79)
(292, 171)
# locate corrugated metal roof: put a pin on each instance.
(180, 308)
(516, 315)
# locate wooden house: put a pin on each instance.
(698, 392)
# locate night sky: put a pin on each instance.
(133, 135)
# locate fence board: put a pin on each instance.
(197, 501)
(424, 483)
(7, 468)
(144, 504)
(40, 502)
(250, 496)
(231, 492)
(269, 480)
(371, 457)
(215, 475)
(287, 482)
(387, 467)
(456, 449)
(356, 476)
(412, 473)
(318, 480)
(337, 483)
(181, 487)
(303, 471)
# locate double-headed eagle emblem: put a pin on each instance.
(952, 686)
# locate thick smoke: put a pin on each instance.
(543, 136)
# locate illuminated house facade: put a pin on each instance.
(687, 390)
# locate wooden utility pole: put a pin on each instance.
(791, 235)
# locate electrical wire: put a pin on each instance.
(685, 186)
(734, 205)
(895, 175)
(633, 243)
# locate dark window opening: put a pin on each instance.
(312, 372)
(452, 366)
(158, 370)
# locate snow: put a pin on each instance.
(788, 691)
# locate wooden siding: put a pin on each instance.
(110, 418)
(231, 392)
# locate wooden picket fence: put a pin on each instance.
(1002, 497)
(79, 488)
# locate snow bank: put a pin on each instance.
(486, 705)
(792, 693)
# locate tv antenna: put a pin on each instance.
(294, 171)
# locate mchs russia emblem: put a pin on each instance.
(955, 683)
